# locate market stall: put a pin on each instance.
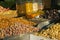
(28, 20)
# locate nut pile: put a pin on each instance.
(52, 32)
(3, 9)
(7, 12)
(51, 14)
(15, 26)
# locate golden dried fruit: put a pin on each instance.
(52, 32)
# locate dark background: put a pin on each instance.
(8, 4)
(12, 4)
(54, 4)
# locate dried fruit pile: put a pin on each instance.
(52, 32)
(7, 12)
(15, 26)
(3, 9)
(51, 14)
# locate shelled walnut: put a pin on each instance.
(15, 26)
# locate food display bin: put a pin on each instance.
(30, 8)
(28, 37)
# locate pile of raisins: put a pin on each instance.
(51, 14)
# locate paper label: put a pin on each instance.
(35, 7)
